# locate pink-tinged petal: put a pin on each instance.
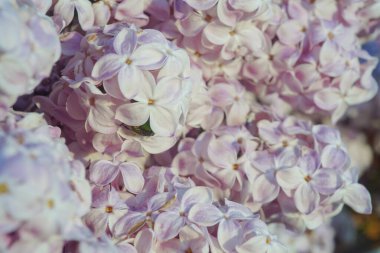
(101, 119)
(222, 153)
(358, 198)
(328, 99)
(248, 32)
(102, 13)
(227, 15)
(309, 163)
(168, 90)
(144, 241)
(103, 172)
(222, 94)
(296, 11)
(334, 157)
(158, 144)
(74, 107)
(287, 158)
(229, 234)
(134, 114)
(326, 181)
(64, 10)
(196, 195)
(185, 163)
(339, 112)
(168, 225)
(265, 188)
(97, 220)
(263, 161)
(192, 24)
(129, 80)
(132, 177)
(132, 148)
(256, 244)
(111, 86)
(149, 56)
(85, 14)
(125, 42)
(313, 220)
(238, 211)
(237, 115)
(289, 178)
(129, 223)
(291, 32)
(269, 131)
(201, 4)
(107, 66)
(331, 62)
(217, 33)
(326, 134)
(203, 174)
(205, 215)
(162, 121)
(306, 198)
(214, 119)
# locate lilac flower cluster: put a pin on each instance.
(29, 48)
(190, 125)
(43, 191)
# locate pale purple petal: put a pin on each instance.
(265, 188)
(149, 56)
(107, 66)
(132, 177)
(125, 42)
(306, 198)
(229, 234)
(256, 244)
(168, 225)
(134, 114)
(326, 181)
(103, 172)
(358, 198)
(205, 215)
(289, 178)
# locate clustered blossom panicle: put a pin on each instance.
(28, 50)
(190, 124)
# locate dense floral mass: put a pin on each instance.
(182, 125)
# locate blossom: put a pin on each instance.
(128, 61)
(105, 172)
(156, 103)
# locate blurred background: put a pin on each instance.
(361, 131)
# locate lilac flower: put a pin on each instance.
(169, 223)
(66, 8)
(104, 172)
(309, 181)
(156, 103)
(107, 208)
(265, 187)
(128, 61)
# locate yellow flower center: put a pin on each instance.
(3, 188)
(50, 203)
(109, 209)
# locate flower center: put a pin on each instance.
(208, 18)
(128, 61)
(307, 178)
(303, 29)
(3, 188)
(232, 33)
(235, 166)
(268, 240)
(50, 203)
(150, 101)
(91, 101)
(189, 250)
(108, 209)
(330, 35)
